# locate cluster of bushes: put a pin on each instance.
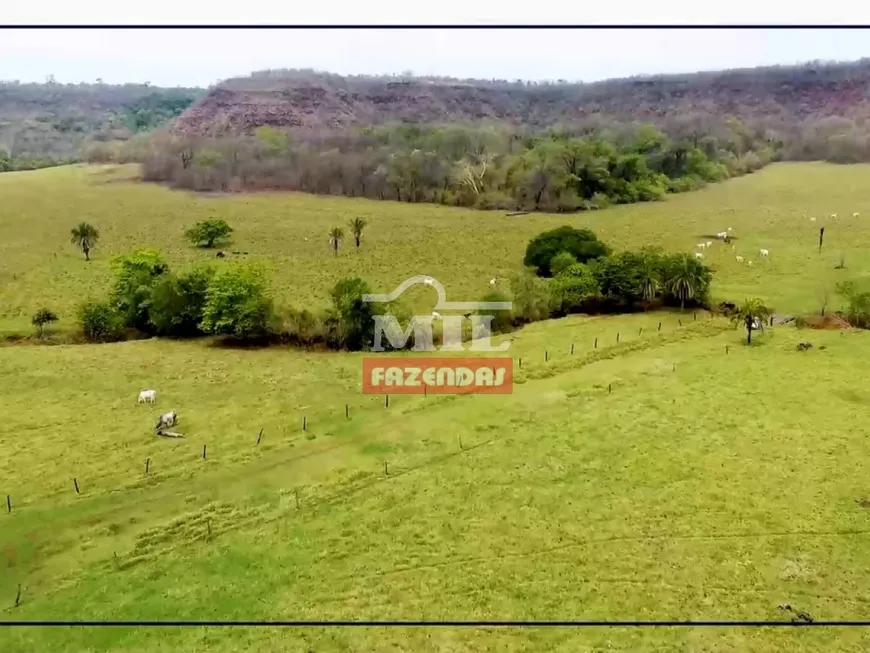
(497, 166)
(147, 298)
(577, 273)
(9, 163)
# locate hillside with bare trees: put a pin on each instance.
(43, 124)
(784, 100)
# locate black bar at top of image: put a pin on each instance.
(449, 624)
(320, 26)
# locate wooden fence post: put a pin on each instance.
(259, 436)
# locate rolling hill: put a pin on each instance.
(779, 97)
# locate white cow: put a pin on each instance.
(722, 235)
(833, 215)
(763, 252)
(701, 245)
(147, 396)
(812, 219)
(167, 419)
(699, 255)
(749, 263)
(428, 281)
(492, 282)
(739, 259)
(730, 230)
(436, 315)
(855, 215)
(709, 243)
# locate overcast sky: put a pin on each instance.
(202, 57)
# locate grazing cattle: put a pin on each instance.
(833, 215)
(749, 263)
(147, 396)
(428, 281)
(492, 282)
(167, 419)
(220, 254)
(699, 255)
(763, 252)
(436, 315)
(812, 219)
(709, 243)
(739, 259)
(855, 215)
(701, 245)
(722, 235)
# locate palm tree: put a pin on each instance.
(649, 279)
(684, 279)
(356, 228)
(85, 236)
(335, 237)
(752, 312)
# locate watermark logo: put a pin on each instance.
(407, 375)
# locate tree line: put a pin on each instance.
(567, 270)
(494, 166)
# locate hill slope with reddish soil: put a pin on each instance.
(778, 97)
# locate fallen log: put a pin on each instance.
(169, 434)
(510, 215)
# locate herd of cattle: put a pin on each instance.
(725, 236)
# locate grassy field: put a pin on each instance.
(675, 474)
(461, 248)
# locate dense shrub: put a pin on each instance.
(100, 322)
(352, 318)
(238, 304)
(575, 287)
(136, 275)
(582, 244)
(177, 303)
(561, 262)
(533, 299)
(501, 320)
(857, 304)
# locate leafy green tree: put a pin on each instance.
(356, 228)
(561, 262)
(752, 314)
(238, 304)
(335, 237)
(354, 318)
(100, 322)
(207, 233)
(136, 275)
(582, 244)
(85, 237)
(177, 303)
(42, 317)
(620, 276)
